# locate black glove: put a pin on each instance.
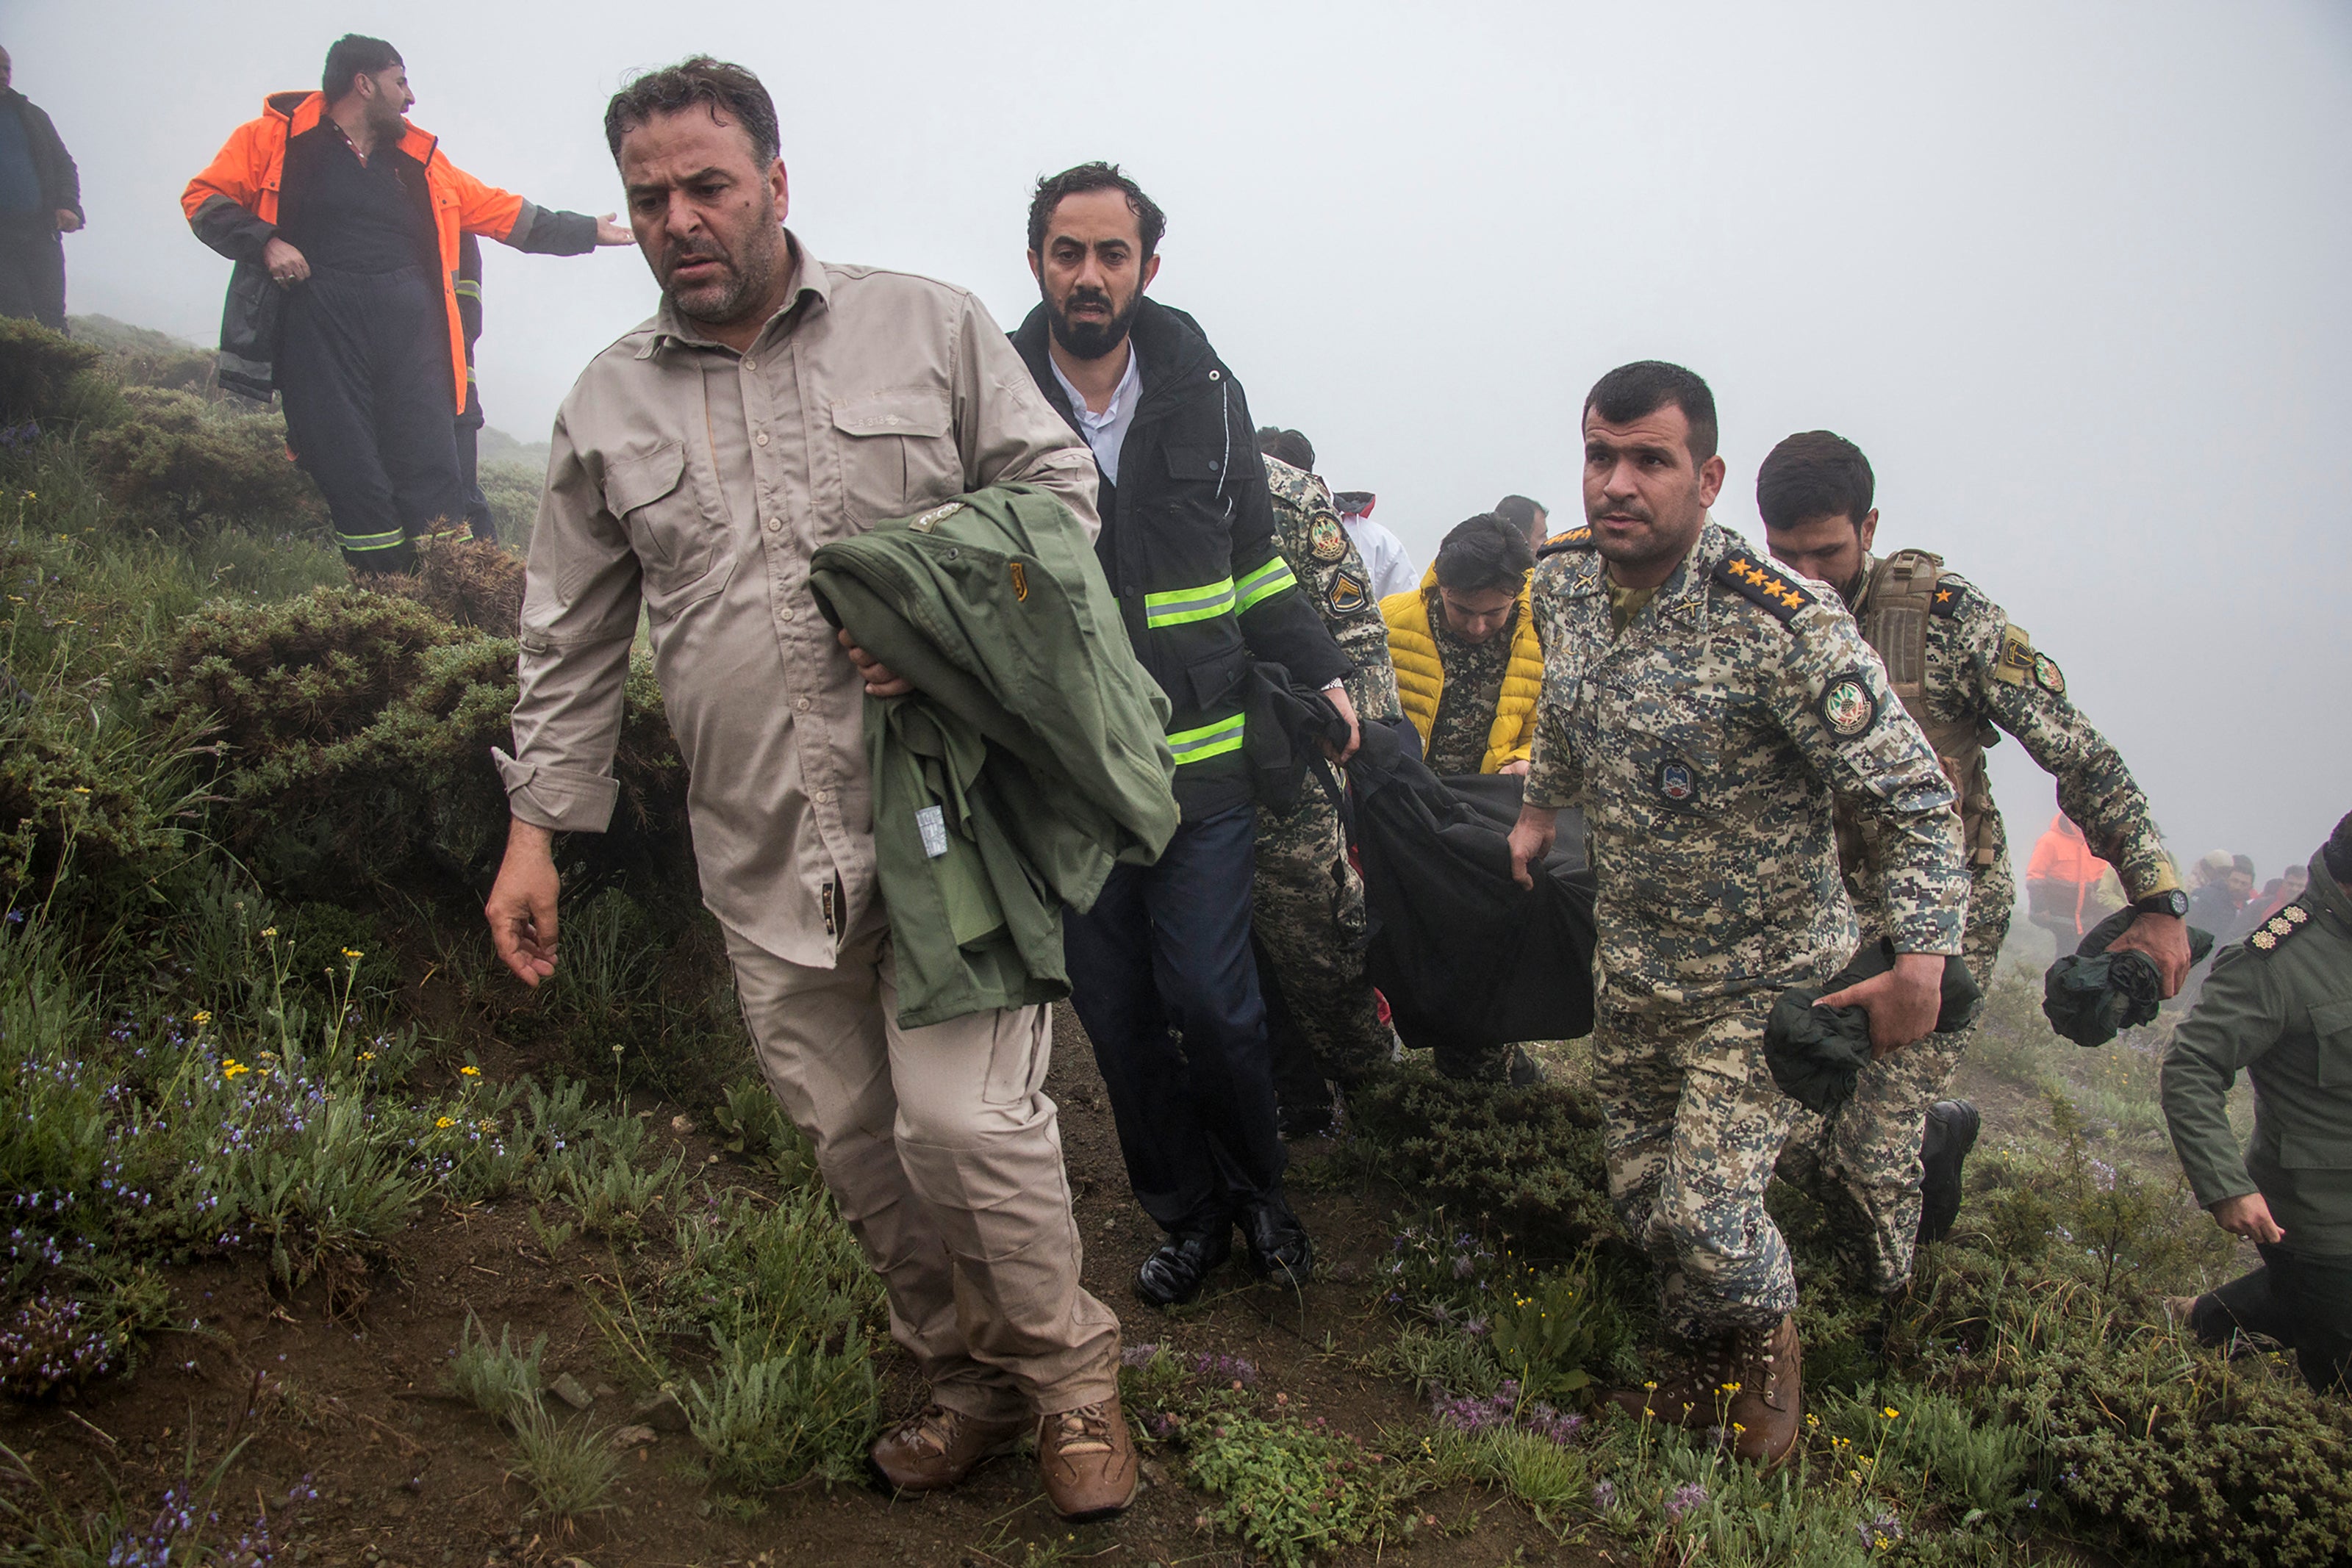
(1817, 1053)
(2091, 995)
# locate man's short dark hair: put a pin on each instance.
(1485, 553)
(1814, 473)
(1631, 391)
(1520, 512)
(1150, 223)
(1287, 446)
(354, 55)
(2337, 855)
(726, 90)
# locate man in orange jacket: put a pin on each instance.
(344, 220)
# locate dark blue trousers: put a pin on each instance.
(1162, 977)
(364, 367)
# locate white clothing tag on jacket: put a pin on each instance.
(934, 824)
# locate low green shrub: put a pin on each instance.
(1293, 1489)
(798, 1412)
(46, 378)
(567, 1466)
(180, 462)
(1527, 1161)
(499, 1380)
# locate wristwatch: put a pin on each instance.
(2171, 901)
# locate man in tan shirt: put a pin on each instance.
(773, 404)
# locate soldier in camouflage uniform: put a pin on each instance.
(1967, 674)
(1709, 713)
(1307, 901)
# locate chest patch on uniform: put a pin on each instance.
(1573, 538)
(1948, 601)
(1848, 708)
(1347, 595)
(2266, 937)
(1326, 539)
(1760, 584)
(1677, 782)
(2014, 664)
(2048, 675)
(1020, 582)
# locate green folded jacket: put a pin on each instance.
(1030, 758)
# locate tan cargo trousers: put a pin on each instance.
(942, 1150)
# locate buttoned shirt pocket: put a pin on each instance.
(898, 451)
(1675, 759)
(674, 534)
(2331, 1028)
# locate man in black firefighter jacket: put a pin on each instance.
(1161, 969)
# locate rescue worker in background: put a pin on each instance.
(1531, 518)
(1469, 667)
(1385, 556)
(343, 220)
(40, 199)
(471, 419)
(1710, 715)
(2278, 1006)
(695, 469)
(1188, 545)
(2066, 884)
(1967, 674)
(1307, 903)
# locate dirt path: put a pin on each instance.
(407, 1475)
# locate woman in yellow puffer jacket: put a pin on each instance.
(1473, 593)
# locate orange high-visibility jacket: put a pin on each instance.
(233, 207)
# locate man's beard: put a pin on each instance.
(741, 286)
(1088, 340)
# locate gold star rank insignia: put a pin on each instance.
(1761, 585)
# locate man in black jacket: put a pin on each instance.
(1188, 544)
(40, 199)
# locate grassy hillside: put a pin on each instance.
(326, 1242)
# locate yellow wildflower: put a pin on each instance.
(232, 1067)
(353, 953)
(203, 1018)
(469, 1071)
(1890, 1412)
(269, 931)
(447, 1122)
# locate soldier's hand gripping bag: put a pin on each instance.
(1817, 1053)
(2091, 995)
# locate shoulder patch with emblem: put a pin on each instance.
(1848, 708)
(1347, 594)
(2266, 937)
(1950, 598)
(2014, 664)
(1326, 539)
(2048, 675)
(1761, 584)
(1571, 538)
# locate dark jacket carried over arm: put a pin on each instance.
(1029, 758)
(2280, 1006)
(61, 181)
(1188, 545)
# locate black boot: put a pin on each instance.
(1172, 1276)
(1952, 1128)
(1279, 1248)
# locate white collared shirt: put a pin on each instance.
(1106, 432)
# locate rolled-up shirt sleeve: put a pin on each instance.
(579, 616)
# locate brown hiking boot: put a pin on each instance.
(1088, 1460)
(1689, 1393)
(1768, 1402)
(938, 1448)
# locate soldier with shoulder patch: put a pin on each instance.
(2278, 1006)
(1306, 901)
(1710, 713)
(1967, 674)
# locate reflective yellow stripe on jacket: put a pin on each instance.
(1209, 740)
(1177, 606)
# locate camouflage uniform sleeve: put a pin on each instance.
(1332, 574)
(2022, 690)
(1832, 700)
(1555, 773)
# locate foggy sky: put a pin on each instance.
(2074, 275)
